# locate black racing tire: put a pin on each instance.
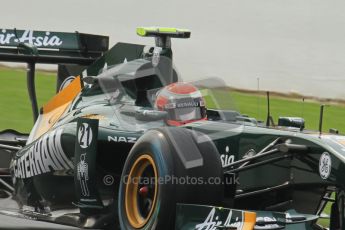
(162, 154)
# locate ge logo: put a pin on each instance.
(84, 135)
(325, 165)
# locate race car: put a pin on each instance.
(126, 144)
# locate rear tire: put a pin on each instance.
(161, 154)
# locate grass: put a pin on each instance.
(255, 105)
(15, 112)
(325, 221)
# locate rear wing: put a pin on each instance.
(51, 47)
(46, 47)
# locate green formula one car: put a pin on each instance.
(126, 144)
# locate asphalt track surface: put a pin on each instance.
(14, 223)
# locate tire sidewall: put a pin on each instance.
(158, 149)
(165, 146)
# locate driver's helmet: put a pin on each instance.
(183, 102)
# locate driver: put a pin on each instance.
(183, 102)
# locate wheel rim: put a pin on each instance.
(141, 191)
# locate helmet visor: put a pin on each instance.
(186, 113)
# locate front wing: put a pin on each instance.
(200, 217)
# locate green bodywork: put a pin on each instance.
(125, 80)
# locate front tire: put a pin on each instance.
(151, 179)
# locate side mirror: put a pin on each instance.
(90, 79)
(296, 122)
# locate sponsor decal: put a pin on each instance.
(325, 165)
(45, 156)
(84, 135)
(212, 222)
(122, 139)
(83, 175)
(85, 165)
(188, 104)
(227, 158)
(7, 38)
(84, 139)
